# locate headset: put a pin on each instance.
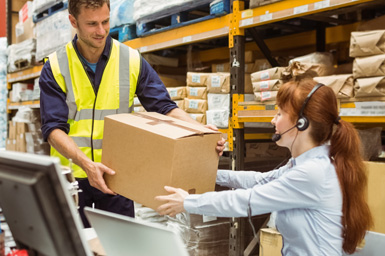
(303, 122)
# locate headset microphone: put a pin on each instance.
(276, 137)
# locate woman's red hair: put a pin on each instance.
(322, 113)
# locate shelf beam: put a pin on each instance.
(205, 30)
(290, 9)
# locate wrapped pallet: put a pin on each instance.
(52, 33)
(21, 55)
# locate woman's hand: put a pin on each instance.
(173, 202)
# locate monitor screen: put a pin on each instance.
(37, 206)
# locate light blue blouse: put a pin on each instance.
(305, 193)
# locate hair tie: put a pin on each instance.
(337, 121)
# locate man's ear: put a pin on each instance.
(73, 21)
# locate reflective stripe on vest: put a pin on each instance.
(86, 111)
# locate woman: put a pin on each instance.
(318, 194)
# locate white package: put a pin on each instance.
(218, 117)
(21, 52)
(218, 101)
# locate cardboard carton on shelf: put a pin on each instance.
(270, 242)
(150, 150)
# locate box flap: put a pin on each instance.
(161, 124)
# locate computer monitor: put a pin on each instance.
(37, 206)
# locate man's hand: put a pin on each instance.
(174, 201)
(68, 148)
(220, 144)
(95, 173)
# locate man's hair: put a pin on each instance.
(74, 5)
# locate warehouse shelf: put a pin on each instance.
(284, 10)
(25, 74)
(30, 104)
(209, 29)
(257, 112)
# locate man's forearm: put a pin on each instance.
(67, 147)
(182, 115)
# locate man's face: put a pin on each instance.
(93, 25)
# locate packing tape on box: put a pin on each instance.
(170, 122)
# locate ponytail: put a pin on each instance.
(345, 150)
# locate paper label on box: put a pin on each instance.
(264, 85)
(215, 81)
(265, 95)
(19, 29)
(265, 76)
(193, 91)
(193, 116)
(173, 92)
(217, 116)
(216, 100)
(266, 17)
(220, 67)
(193, 104)
(370, 108)
(196, 78)
(301, 9)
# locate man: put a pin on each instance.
(91, 77)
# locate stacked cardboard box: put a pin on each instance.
(266, 84)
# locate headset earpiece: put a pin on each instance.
(303, 122)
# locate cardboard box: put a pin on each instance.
(376, 194)
(12, 130)
(25, 30)
(270, 242)
(196, 92)
(248, 84)
(173, 81)
(268, 85)
(266, 96)
(197, 79)
(21, 128)
(200, 118)
(177, 93)
(195, 106)
(150, 150)
(268, 74)
(21, 145)
(218, 83)
(10, 145)
(26, 11)
(221, 67)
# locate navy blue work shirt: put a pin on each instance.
(150, 90)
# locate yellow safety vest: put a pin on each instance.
(86, 111)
